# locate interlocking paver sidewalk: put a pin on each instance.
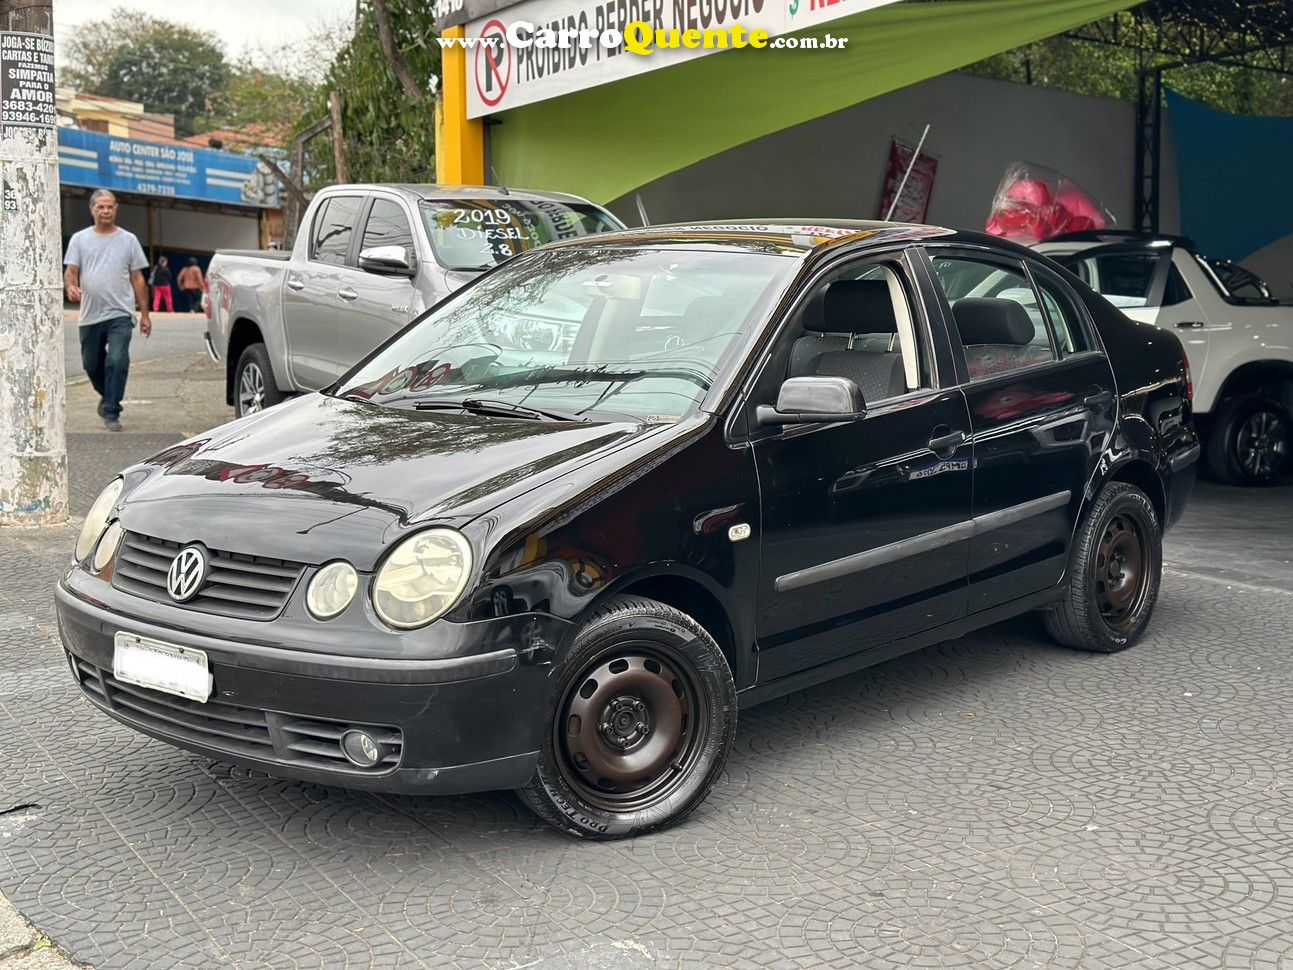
(992, 802)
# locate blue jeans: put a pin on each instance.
(105, 354)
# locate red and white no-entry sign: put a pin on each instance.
(493, 63)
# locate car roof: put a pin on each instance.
(1123, 237)
(786, 236)
(448, 193)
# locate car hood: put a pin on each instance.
(319, 478)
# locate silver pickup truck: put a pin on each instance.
(367, 260)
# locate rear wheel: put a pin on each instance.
(640, 723)
(1249, 442)
(1115, 567)
(253, 382)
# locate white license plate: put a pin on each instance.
(177, 670)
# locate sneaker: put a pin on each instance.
(112, 424)
(100, 407)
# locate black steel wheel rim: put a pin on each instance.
(1122, 571)
(1261, 443)
(631, 727)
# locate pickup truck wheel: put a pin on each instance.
(253, 382)
(1115, 567)
(640, 723)
(1250, 441)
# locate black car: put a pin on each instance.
(552, 534)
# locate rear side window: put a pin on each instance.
(388, 226)
(997, 313)
(333, 228)
(1177, 291)
(1065, 315)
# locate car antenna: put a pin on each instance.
(498, 181)
(641, 209)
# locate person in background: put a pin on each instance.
(190, 283)
(160, 281)
(105, 265)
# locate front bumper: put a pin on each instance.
(211, 351)
(464, 723)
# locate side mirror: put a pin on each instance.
(808, 400)
(386, 260)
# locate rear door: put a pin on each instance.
(373, 305)
(310, 297)
(1042, 403)
(864, 522)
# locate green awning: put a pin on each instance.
(605, 141)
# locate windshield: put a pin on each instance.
(588, 332)
(479, 233)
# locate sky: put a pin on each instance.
(243, 25)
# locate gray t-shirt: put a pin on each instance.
(105, 261)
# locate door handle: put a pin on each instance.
(947, 442)
(1191, 325)
(1098, 398)
(348, 294)
(295, 285)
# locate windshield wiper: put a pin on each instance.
(498, 409)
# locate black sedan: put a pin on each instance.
(552, 534)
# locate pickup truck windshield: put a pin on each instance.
(587, 332)
(476, 234)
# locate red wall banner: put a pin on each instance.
(914, 204)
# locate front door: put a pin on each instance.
(375, 306)
(310, 294)
(864, 523)
(1042, 404)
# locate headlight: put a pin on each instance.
(331, 590)
(107, 547)
(96, 520)
(422, 578)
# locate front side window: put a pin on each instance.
(388, 226)
(478, 234)
(333, 228)
(583, 331)
(858, 323)
(997, 314)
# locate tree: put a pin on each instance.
(386, 103)
(168, 67)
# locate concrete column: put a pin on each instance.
(33, 444)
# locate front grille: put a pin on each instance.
(249, 587)
(289, 739)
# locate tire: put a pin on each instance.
(1115, 568)
(253, 382)
(643, 689)
(1250, 440)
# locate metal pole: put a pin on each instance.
(33, 405)
(907, 174)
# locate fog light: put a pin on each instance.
(362, 749)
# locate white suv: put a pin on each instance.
(1238, 338)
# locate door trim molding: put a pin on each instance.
(903, 548)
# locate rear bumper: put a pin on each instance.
(468, 723)
(211, 351)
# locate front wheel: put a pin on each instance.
(1249, 442)
(253, 382)
(640, 723)
(1115, 567)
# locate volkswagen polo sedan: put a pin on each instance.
(767, 455)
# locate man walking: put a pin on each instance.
(190, 281)
(105, 265)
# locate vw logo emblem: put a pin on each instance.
(186, 574)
